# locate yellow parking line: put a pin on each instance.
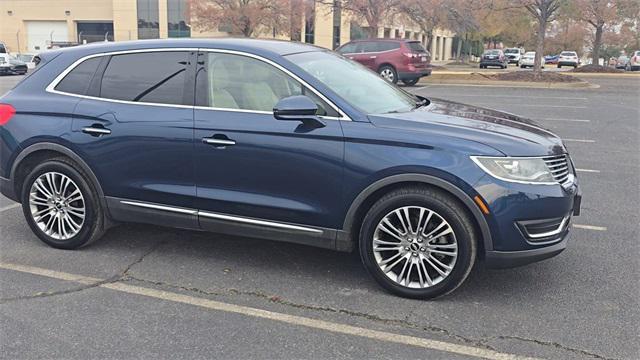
(274, 316)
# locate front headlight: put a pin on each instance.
(516, 169)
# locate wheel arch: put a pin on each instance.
(353, 219)
(386, 63)
(47, 150)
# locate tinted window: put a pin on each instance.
(511, 51)
(243, 83)
(388, 45)
(156, 77)
(416, 46)
(77, 81)
(568, 53)
(369, 47)
(349, 48)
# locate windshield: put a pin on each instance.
(25, 58)
(511, 51)
(492, 52)
(353, 82)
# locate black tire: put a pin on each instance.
(93, 226)
(411, 82)
(482, 66)
(522, 66)
(559, 66)
(393, 74)
(444, 205)
(575, 66)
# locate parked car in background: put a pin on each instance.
(493, 57)
(551, 59)
(393, 59)
(568, 58)
(27, 59)
(622, 61)
(528, 60)
(3, 48)
(11, 66)
(308, 147)
(634, 61)
(514, 55)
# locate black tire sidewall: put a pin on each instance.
(92, 211)
(411, 82)
(464, 237)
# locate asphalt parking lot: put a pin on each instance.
(145, 291)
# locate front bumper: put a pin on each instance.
(492, 62)
(567, 63)
(528, 223)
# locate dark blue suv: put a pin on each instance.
(281, 141)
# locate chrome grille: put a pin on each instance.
(559, 166)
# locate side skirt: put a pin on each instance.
(126, 210)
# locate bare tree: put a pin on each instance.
(543, 11)
(598, 14)
(374, 12)
(242, 17)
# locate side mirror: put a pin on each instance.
(297, 108)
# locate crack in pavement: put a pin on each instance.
(552, 344)
(115, 278)
(276, 299)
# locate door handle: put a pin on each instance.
(95, 130)
(372, 57)
(218, 141)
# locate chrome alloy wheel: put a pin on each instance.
(57, 205)
(387, 74)
(415, 247)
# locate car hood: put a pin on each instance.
(506, 133)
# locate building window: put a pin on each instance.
(407, 34)
(358, 32)
(309, 22)
(148, 19)
(337, 21)
(179, 17)
(387, 33)
(94, 31)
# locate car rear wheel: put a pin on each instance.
(559, 66)
(411, 82)
(60, 206)
(389, 73)
(418, 243)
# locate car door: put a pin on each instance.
(369, 55)
(256, 175)
(135, 129)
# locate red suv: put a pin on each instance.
(393, 59)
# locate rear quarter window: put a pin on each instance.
(416, 46)
(77, 80)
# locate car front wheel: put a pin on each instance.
(418, 243)
(389, 73)
(60, 206)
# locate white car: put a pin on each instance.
(27, 59)
(528, 59)
(568, 58)
(514, 55)
(634, 61)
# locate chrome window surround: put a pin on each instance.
(570, 179)
(51, 87)
(233, 218)
(546, 237)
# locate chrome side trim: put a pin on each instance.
(51, 87)
(160, 207)
(258, 222)
(225, 217)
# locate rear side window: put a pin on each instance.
(77, 81)
(388, 45)
(416, 46)
(153, 77)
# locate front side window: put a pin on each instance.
(152, 77)
(348, 49)
(353, 82)
(77, 80)
(237, 82)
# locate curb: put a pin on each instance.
(519, 84)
